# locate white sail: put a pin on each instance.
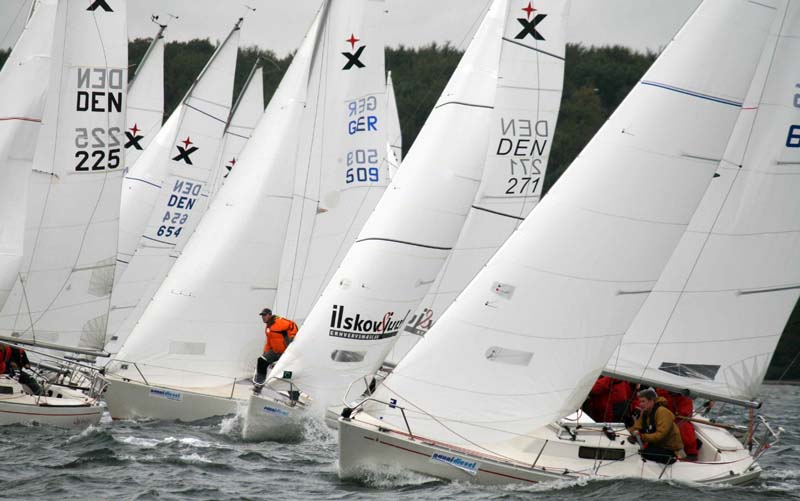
(245, 115)
(145, 100)
(527, 338)
(713, 319)
(73, 197)
(203, 317)
(163, 193)
(523, 123)
(344, 148)
(406, 240)
(23, 87)
(393, 121)
(132, 294)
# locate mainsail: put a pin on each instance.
(245, 114)
(23, 87)
(145, 100)
(713, 319)
(345, 154)
(62, 296)
(407, 238)
(525, 341)
(162, 192)
(530, 80)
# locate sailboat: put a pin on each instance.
(403, 245)
(23, 87)
(61, 298)
(523, 123)
(225, 273)
(550, 307)
(333, 201)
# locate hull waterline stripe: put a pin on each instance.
(490, 211)
(404, 242)
(533, 49)
(688, 92)
(143, 181)
(51, 415)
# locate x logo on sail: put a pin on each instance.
(133, 138)
(185, 151)
(529, 27)
(353, 58)
(232, 163)
(100, 3)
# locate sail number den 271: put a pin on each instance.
(524, 143)
(99, 90)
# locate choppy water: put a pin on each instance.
(207, 460)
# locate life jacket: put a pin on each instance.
(280, 333)
(649, 419)
(608, 401)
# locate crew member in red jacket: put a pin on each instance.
(609, 400)
(280, 333)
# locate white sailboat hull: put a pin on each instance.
(65, 409)
(367, 447)
(270, 419)
(129, 400)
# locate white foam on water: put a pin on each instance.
(194, 458)
(139, 442)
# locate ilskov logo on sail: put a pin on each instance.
(361, 328)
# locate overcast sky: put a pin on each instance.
(280, 24)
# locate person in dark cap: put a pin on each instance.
(280, 333)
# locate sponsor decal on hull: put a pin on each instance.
(275, 410)
(470, 467)
(166, 394)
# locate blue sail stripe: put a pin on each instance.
(692, 93)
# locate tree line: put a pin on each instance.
(596, 81)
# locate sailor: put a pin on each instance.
(656, 429)
(609, 400)
(5, 356)
(684, 408)
(280, 333)
(17, 361)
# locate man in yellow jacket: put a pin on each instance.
(280, 333)
(656, 429)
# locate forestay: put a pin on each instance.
(342, 152)
(23, 86)
(407, 238)
(145, 100)
(527, 338)
(523, 122)
(73, 196)
(203, 317)
(714, 317)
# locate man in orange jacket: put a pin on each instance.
(280, 333)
